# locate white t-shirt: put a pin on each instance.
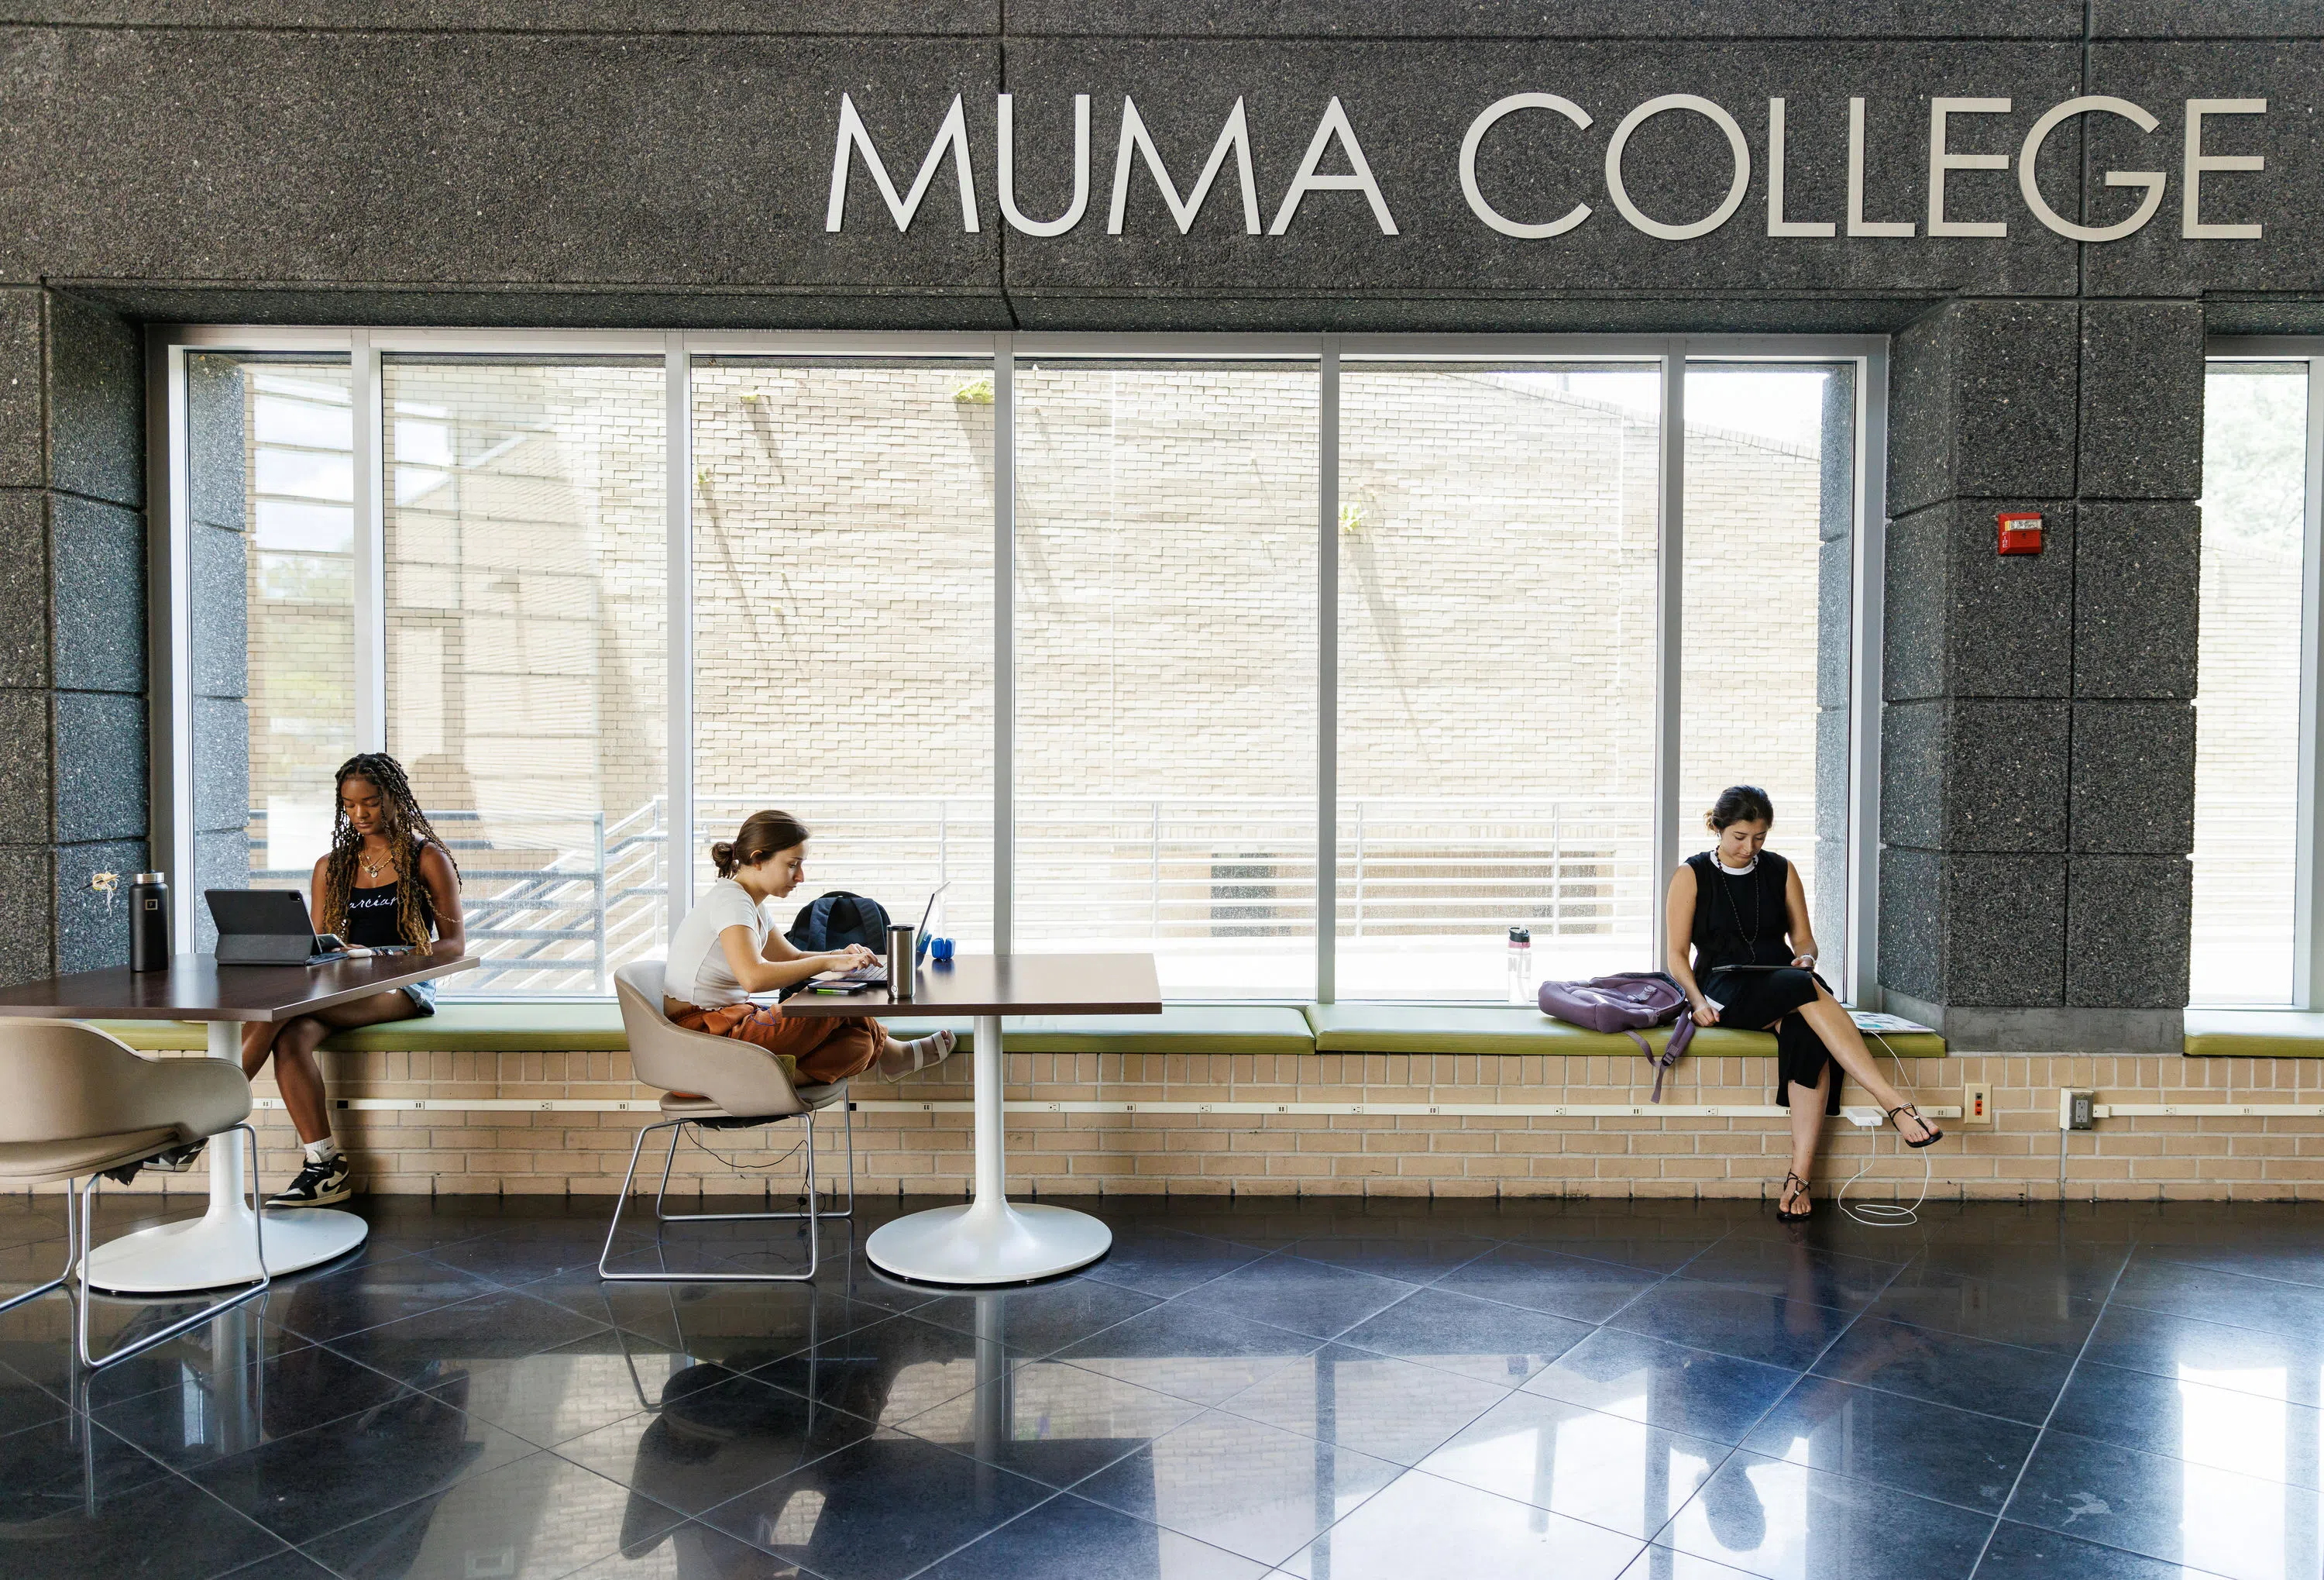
(697, 973)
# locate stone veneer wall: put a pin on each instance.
(72, 632)
(520, 1153)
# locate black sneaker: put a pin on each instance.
(177, 1159)
(318, 1185)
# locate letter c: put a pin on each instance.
(2152, 180)
(1469, 144)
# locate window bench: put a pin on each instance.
(1516, 1028)
(592, 1027)
(454, 1028)
(1183, 1028)
(2254, 1034)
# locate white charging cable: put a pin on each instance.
(1888, 1214)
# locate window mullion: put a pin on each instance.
(1669, 589)
(174, 648)
(1861, 963)
(369, 514)
(677, 511)
(2307, 903)
(1004, 643)
(1327, 671)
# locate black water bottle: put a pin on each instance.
(149, 922)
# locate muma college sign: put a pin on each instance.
(1968, 193)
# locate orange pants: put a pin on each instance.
(827, 1047)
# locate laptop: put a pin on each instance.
(268, 926)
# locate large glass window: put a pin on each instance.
(270, 469)
(524, 653)
(1767, 614)
(2248, 726)
(1166, 667)
(460, 549)
(842, 624)
(1497, 526)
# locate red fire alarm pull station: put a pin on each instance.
(2020, 531)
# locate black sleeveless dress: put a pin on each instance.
(1742, 920)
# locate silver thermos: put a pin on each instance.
(149, 922)
(902, 939)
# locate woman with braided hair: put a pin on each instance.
(386, 883)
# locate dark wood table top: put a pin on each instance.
(1009, 984)
(195, 987)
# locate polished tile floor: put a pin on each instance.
(1328, 1389)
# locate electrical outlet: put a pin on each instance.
(2077, 1110)
(1976, 1103)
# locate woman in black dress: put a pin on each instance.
(1740, 905)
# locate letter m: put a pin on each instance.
(1234, 138)
(953, 133)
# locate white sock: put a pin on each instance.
(324, 1151)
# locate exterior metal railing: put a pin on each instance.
(556, 903)
(553, 901)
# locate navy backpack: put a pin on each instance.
(837, 920)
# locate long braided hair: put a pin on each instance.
(407, 831)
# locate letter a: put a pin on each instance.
(1334, 123)
(952, 134)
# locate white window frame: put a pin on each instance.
(167, 347)
(2308, 859)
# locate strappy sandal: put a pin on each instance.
(1782, 1217)
(1931, 1140)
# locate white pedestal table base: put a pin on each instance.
(215, 1249)
(990, 1240)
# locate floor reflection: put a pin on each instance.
(2049, 1391)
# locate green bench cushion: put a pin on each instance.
(2254, 1033)
(580, 1027)
(1515, 1028)
(475, 1027)
(455, 1027)
(159, 1036)
(1178, 1029)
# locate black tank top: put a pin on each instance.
(370, 916)
(1740, 920)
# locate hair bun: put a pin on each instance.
(721, 857)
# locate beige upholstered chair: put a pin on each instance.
(74, 1103)
(734, 1085)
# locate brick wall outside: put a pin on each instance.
(1497, 620)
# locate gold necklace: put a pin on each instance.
(371, 868)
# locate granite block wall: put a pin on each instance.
(73, 793)
(2038, 781)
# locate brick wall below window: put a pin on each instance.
(555, 1153)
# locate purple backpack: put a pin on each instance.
(1625, 1002)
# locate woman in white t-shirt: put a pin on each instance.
(725, 951)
